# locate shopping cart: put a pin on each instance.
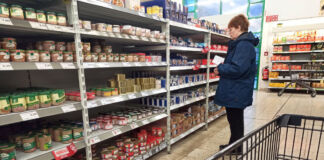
(294, 79)
(288, 137)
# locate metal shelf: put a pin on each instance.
(9, 66)
(288, 79)
(101, 135)
(42, 155)
(296, 89)
(288, 43)
(88, 65)
(176, 68)
(173, 88)
(96, 9)
(298, 70)
(120, 38)
(211, 119)
(218, 52)
(181, 136)
(27, 28)
(213, 80)
(39, 113)
(185, 49)
(220, 35)
(121, 98)
(299, 52)
(190, 101)
(177, 27)
(297, 61)
(152, 152)
(211, 94)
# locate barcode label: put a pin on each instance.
(5, 66)
(44, 66)
(29, 115)
(6, 21)
(69, 108)
(68, 65)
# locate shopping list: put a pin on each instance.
(218, 60)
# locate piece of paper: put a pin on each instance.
(218, 60)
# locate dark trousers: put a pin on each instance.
(236, 122)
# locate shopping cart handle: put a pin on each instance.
(288, 119)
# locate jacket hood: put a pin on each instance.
(247, 36)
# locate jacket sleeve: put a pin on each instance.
(240, 62)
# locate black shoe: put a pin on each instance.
(236, 152)
(221, 147)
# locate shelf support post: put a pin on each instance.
(207, 43)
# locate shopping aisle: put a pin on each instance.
(203, 144)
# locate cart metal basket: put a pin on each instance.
(288, 137)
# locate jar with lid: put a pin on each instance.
(16, 11)
(86, 46)
(86, 25)
(60, 46)
(116, 28)
(114, 92)
(4, 55)
(41, 17)
(122, 57)
(87, 57)
(102, 57)
(32, 101)
(49, 45)
(9, 43)
(101, 27)
(135, 58)
(67, 56)
(99, 92)
(116, 57)
(141, 57)
(44, 56)
(70, 47)
(97, 48)
(32, 56)
(51, 18)
(30, 14)
(94, 57)
(5, 107)
(109, 28)
(106, 92)
(4, 11)
(110, 57)
(107, 49)
(18, 103)
(44, 99)
(130, 58)
(57, 56)
(17, 55)
(61, 19)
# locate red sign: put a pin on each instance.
(272, 18)
(65, 152)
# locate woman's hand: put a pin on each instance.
(216, 71)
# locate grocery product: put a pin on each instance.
(66, 135)
(8, 151)
(48, 45)
(61, 19)
(67, 56)
(4, 10)
(51, 18)
(32, 101)
(16, 11)
(4, 55)
(60, 46)
(5, 107)
(30, 14)
(32, 56)
(41, 17)
(29, 144)
(45, 142)
(45, 99)
(56, 56)
(9, 43)
(58, 97)
(44, 56)
(17, 55)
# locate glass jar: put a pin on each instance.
(102, 27)
(122, 57)
(141, 57)
(86, 25)
(5, 107)
(96, 48)
(44, 56)
(41, 17)
(30, 14)
(107, 49)
(130, 58)
(70, 46)
(60, 46)
(135, 58)
(98, 92)
(17, 55)
(32, 56)
(106, 92)
(102, 57)
(86, 47)
(9, 43)
(4, 55)
(114, 92)
(110, 57)
(51, 18)
(66, 135)
(116, 57)
(49, 45)
(4, 11)
(61, 19)
(94, 57)
(18, 103)
(67, 56)
(57, 56)
(32, 101)
(87, 57)
(16, 11)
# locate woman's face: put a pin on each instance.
(234, 32)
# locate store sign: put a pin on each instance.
(65, 152)
(272, 18)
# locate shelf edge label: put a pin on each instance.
(5, 66)
(25, 116)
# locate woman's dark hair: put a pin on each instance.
(239, 20)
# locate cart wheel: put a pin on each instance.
(280, 93)
(313, 94)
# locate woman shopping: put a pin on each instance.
(237, 74)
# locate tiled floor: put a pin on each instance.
(202, 144)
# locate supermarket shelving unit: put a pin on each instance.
(100, 11)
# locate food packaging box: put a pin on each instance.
(137, 88)
(133, 4)
(152, 86)
(152, 80)
(122, 90)
(121, 84)
(121, 77)
(129, 89)
(128, 83)
(112, 83)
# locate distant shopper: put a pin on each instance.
(235, 89)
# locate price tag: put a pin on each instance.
(141, 14)
(155, 17)
(69, 108)
(126, 64)
(5, 67)
(132, 96)
(6, 21)
(134, 37)
(116, 132)
(94, 140)
(68, 65)
(44, 66)
(29, 115)
(92, 104)
(134, 125)
(89, 65)
(51, 27)
(145, 122)
(38, 25)
(156, 91)
(137, 64)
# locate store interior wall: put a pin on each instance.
(290, 13)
